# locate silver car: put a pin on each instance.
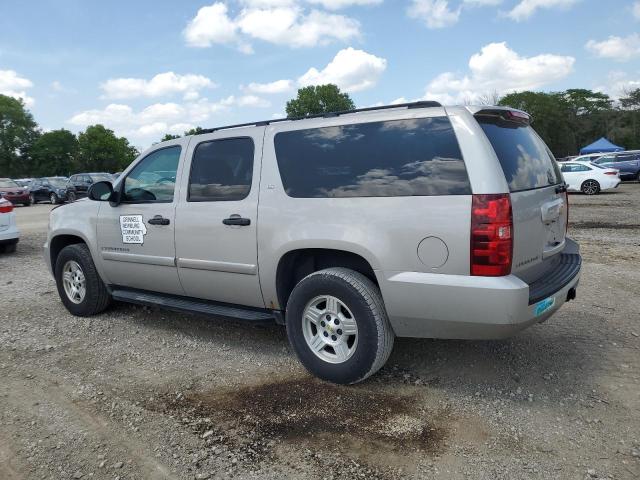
(352, 228)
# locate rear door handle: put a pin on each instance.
(236, 219)
(158, 220)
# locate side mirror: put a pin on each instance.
(100, 191)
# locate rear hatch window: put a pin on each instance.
(538, 202)
(526, 161)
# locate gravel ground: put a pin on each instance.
(138, 393)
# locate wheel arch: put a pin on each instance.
(296, 264)
(57, 243)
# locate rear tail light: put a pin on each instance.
(566, 210)
(6, 207)
(611, 173)
(491, 235)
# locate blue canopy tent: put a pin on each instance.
(601, 146)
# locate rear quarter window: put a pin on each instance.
(412, 157)
(526, 161)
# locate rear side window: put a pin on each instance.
(221, 170)
(526, 161)
(413, 157)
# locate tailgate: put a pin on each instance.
(538, 198)
(539, 228)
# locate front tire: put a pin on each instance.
(32, 199)
(338, 326)
(81, 289)
(71, 197)
(9, 248)
(590, 187)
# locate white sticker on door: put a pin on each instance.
(133, 229)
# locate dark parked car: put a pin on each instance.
(13, 192)
(628, 163)
(82, 181)
(52, 189)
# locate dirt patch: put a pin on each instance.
(326, 421)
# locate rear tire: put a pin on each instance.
(319, 307)
(71, 197)
(32, 199)
(9, 248)
(54, 199)
(27, 204)
(95, 298)
(590, 187)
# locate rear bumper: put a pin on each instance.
(465, 307)
(9, 235)
(608, 184)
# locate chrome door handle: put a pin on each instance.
(236, 219)
(158, 220)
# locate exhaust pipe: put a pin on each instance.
(571, 294)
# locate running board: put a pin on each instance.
(190, 305)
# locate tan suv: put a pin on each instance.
(350, 228)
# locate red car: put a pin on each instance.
(14, 192)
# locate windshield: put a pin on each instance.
(57, 182)
(526, 161)
(8, 183)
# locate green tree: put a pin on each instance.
(628, 131)
(194, 131)
(18, 132)
(168, 136)
(318, 99)
(100, 150)
(550, 118)
(54, 153)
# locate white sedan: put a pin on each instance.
(589, 178)
(9, 234)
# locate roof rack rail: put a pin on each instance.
(262, 123)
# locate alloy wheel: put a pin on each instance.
(330, 329)
(590, 187)
(74, 281)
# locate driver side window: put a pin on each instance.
(154, 178)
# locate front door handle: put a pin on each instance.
(236, 219)
(158, 220)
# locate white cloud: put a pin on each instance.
(497, 68)
(526, 8)
(149, 124)
(282, 22)
(279, 86)
(162, 84)
(352, 70)
(616, 48)
(483, 3)
(210, 25)
(635, 9)
(338, 4)
(13, 85)
(618, 84)
(288, 26)
(434, 13)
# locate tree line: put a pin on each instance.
(27, 151)
(567, 121)
(574, 118)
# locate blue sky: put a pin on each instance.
(144, 68)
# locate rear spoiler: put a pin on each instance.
(510, 115)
